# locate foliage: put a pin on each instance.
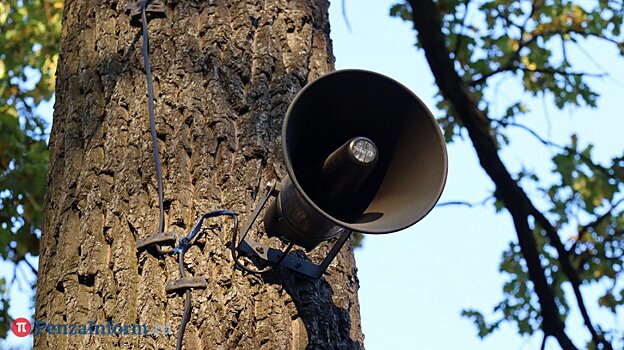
(4, 308)
(528, 41)
(29, 39)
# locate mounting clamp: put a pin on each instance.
(158, 238)
(186, 283)
(154, 9)
(292, 262)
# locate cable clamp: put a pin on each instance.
(183, 245)
(186, 283)
(157, 238)
(154, 9)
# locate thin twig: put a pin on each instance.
(20, 259)
(596, 63)
(464, 203)
(32, 268)
(553, 71)
(344, 15)
(586, 159)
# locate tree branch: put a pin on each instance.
(563, 254)
(543, 346)
(17, 259)
(464, 203)
(554, 71)
(512, 67)
(344, 15)
(571, 274)
(545, 142)
(427, 22)
(32, 268)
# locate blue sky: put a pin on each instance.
(415, 283)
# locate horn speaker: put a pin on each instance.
(363, 154)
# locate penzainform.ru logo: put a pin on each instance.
(22, 327)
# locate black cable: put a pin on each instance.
(182, 247)
(185, 318)
(187, 304)
(161, 206)
(150, 103)
(233, 250)
(185, 242)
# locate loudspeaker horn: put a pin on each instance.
(363, 154)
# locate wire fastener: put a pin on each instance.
(186, 283)
(154, 9)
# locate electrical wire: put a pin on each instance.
(183, 245)
(239, 264)
(187, 305)
(152, 121)
(185, 318)
(185, 242)
(157, 165)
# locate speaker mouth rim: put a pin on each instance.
(357, 227)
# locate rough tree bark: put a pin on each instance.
(224, 73)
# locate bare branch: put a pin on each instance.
(467, 204)
(545, 142)
(18, 259)
(32, 268)
(344, 14)
(486, 76)
(595, 62)
(554, 71)
(545, 70)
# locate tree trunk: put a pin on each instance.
(224, 74)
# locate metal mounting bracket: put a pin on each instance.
(291, 261)
(186, 283)
(250, 247)
(154, 9)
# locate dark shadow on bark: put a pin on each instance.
(109, 71)
(325, 323)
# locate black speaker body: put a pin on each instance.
(403, 186)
